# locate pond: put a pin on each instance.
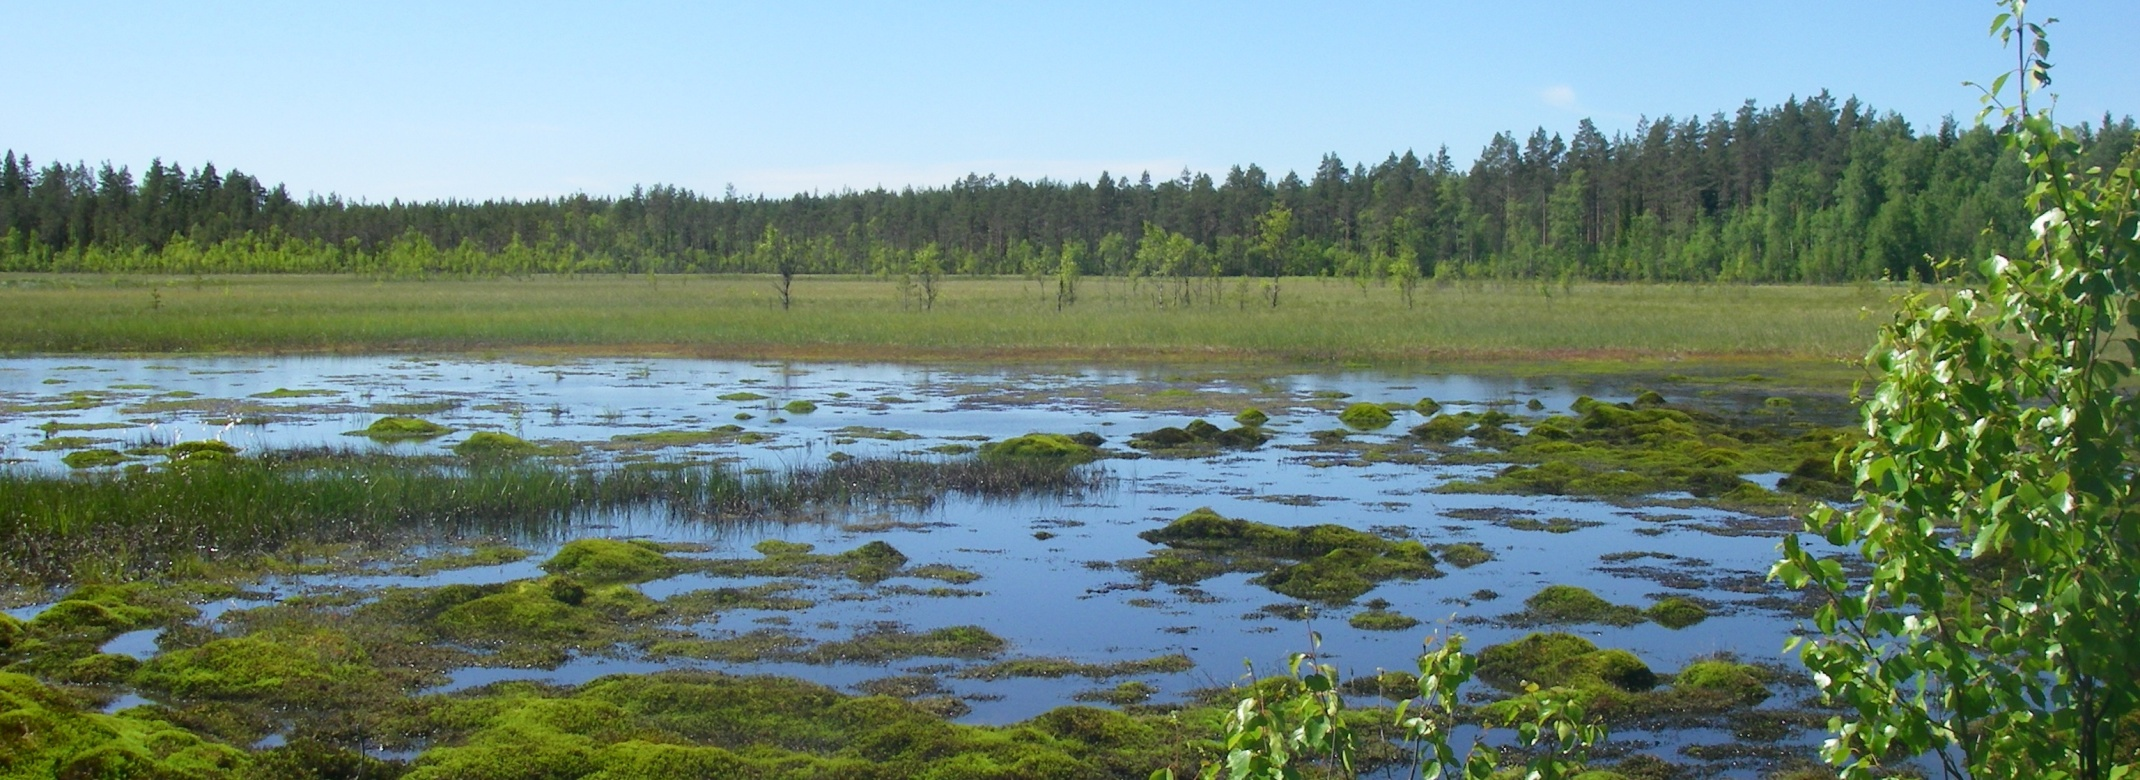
(1052, 579)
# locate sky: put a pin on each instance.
(476, 100)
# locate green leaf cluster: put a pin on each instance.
(1991, 626)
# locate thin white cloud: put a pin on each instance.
(1559, 96)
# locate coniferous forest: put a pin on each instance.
(1812, 190)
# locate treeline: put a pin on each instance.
(1807, 191)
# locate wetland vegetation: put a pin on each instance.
(1799, 337)
(613, 534)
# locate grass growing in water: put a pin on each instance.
(58, 527)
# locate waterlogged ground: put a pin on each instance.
(1054, 578)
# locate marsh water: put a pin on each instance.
(1049, 583)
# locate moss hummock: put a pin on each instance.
(1325, 563)
(611, 560)
(317, 669)
(870, 563)
(707, 724)
(1198, 438)
(1571, 604)
(1382, 620)
(1366, 416)
(93, 458)
(1041, 446)
(1647, 447)
(50, 734)
(204, 449)
(401, 428)
(494, 444)
(1676, 612)
(1566, 660)
(1734, 681)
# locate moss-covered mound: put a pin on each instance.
(1675, 612)
(1620, 689)
(318, 669)
(1736, 682)
(703, 724)
(1366, 417)
(799, 406)
(204, 449)
(1382, 620)
(1622, 450)
(92, 614)
(492, 444)
(534, 623)
(549, 610)
(1562, 660)
(1442, 429)
(1042, 446)
(1252, 417)
(611, 560)
(870, 563)
(401, 428)
(1571, 604)
(873, 562)
(1462, 555)
(12, 632)
(655, 440)
(93, 458)
(1198, 438)
(47, 733)
(1326, 563)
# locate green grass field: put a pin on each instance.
(1471, 326)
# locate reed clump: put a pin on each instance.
(122, 523)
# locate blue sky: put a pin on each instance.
(477, 100)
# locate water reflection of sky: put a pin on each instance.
(1049, 597)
